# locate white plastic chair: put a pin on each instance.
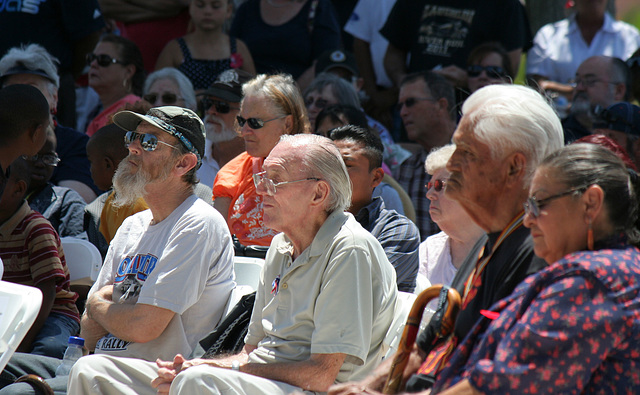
(236, 294)
(404, 302)
(19, 307)
(83, 260)
(248, 270)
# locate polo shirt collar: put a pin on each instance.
(369, 213)
(607, 25)
(9, 226)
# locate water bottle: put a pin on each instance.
(71, 355)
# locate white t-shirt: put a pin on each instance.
(558, 48)
(365, 23)
(184, 264)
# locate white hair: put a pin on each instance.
(321, 159)
(35, 58)
(438, 158)
(184, 84)
(514, 118)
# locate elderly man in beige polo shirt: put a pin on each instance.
(326, 296)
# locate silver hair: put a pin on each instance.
(184, 84)
(321, 159)
(344, 92)
(438, 158)
(33, 57)
(510, 118)
(284, 97)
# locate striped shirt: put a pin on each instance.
(412, 176)
(32, 253)
(399, 238)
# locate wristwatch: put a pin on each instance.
(235, 365)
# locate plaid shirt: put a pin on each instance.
(398, 236)
(413, 178)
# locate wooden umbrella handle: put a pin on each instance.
(412, 326)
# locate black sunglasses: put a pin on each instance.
(437, 185)
(102, 59)
(410, 102)
(492, 71)
(167, 97)
(255, 123)
(221, 107)
(148, 142)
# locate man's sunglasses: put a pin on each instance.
(410, 102)
(148, 142)
(166, 97)
(102, 59)
(255, 123)
(437, 185)
(221, 107)
(492, 71)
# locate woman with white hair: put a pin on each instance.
(33, 65)
(169, 87)
(442, 254)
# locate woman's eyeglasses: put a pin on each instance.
(221, 107)
(270, 186)
(437, 185)
(48, 159)
(166, 97)
(102, 59)
(255, 123)
(532, 206)
(492, 71)
(148, 142)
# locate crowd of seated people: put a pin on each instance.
(255, 125)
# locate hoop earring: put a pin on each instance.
(590, 237)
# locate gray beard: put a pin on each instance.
(130, 186)
(225, 135)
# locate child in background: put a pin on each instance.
(32, 255)
(61, 206)
(208, 51)
(106, 150)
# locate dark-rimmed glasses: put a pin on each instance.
(48, 159)
(437, 185)
(221, 107)
(319, 102)
(533, 206)
(492, 71)
(103, 60)
(255, 123)
(166, 97)
(270, 186)
(148, 142)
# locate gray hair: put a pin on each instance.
(513, 118)
(35, 58)
(438, 158)
(581, 165)
(321, 159)
(344, 92)
(184, 84)
(283, 94)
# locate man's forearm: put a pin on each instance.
(314, 374)
(395, 64)
(140, 10)
(91, 332)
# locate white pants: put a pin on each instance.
(101, 374)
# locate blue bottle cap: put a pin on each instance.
(76, 340)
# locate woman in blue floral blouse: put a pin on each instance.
(574, 327)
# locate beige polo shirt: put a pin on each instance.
(338, 296)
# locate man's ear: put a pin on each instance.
(378, 175)
(517, 165)
(321, 193)
(186, 163)
(20, 189)
(109, 163)
(620, 91)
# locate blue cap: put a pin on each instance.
(76, 340)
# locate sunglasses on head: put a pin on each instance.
(221, 107)
(102, 59)
(492, 71)
(255, 123)
(148, 142)
(166, 97)
(437, 185)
